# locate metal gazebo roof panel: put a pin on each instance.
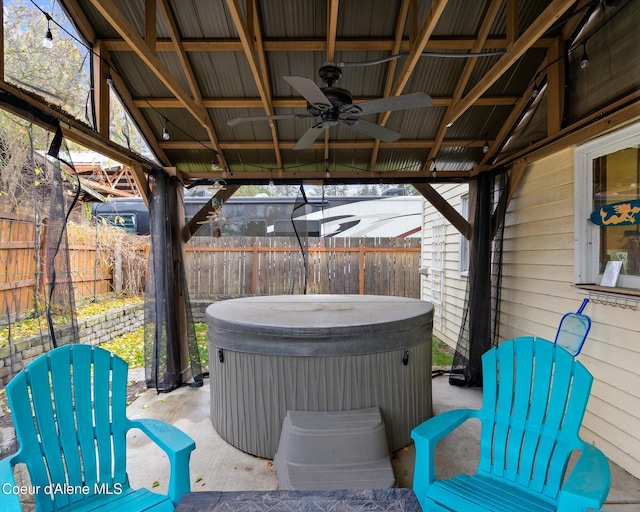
(215, 61)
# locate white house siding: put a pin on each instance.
(538, 289)
(447, 326)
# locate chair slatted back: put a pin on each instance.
(69, 410)
(534, 398)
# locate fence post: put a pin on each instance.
(361, 269)
(254, 270)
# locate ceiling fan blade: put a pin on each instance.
(238, 120)
(309, 137)
(308, 89)
(392, 103)
(373, 130)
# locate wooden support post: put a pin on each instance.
(361, 254)
(101, 89)
(254, 269)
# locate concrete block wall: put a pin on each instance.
(91, 331)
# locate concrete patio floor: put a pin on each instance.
(216, 465)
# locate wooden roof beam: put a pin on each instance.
(185, 65)
(259, 72)
(463, 80)
(391, 69)
(334, 144)
(536, 30)
(332, 30)
(77, 16)
(337, 176)
(201, 216)
(320, 45)
(148, 102)
(121, 24)
(448, 211)
(150, 24)
(431, 20)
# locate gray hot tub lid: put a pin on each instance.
(319, 324)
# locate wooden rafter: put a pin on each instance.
(332, 31)
(254, 44)
(448, 211)
(102, 53)
(391, 69)
(334, 144)
(340, 176)
(429, 24)
(463, 80)
(138, 118)
(191, 79)
(101, 89)
(542, 23)
(320, 45)
(259, 75)
(121, 24)
(196, 221)
(150, 23)
(622, 111)
(228, 103)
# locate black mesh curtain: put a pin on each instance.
(60, 299)
(59, 191)
(301, 230)
(479, 330)
(170, 346)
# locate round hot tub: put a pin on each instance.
(317, 353)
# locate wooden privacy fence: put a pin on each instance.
(223, 267)
(22, 265)
(18, 263)
(241, 266)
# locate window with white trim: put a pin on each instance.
(438, 237)
(607, 172)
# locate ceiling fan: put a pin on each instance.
(331, 105)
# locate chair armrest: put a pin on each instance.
(588, 484)
(9, 497)
(178, 447)
(426, 436)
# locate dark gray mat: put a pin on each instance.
(387, 500)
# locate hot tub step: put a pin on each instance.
(333, 450)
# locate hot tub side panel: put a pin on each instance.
(251, 393)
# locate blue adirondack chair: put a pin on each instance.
(69, 411)
(534, 397)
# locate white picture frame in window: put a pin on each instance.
(611, 273)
